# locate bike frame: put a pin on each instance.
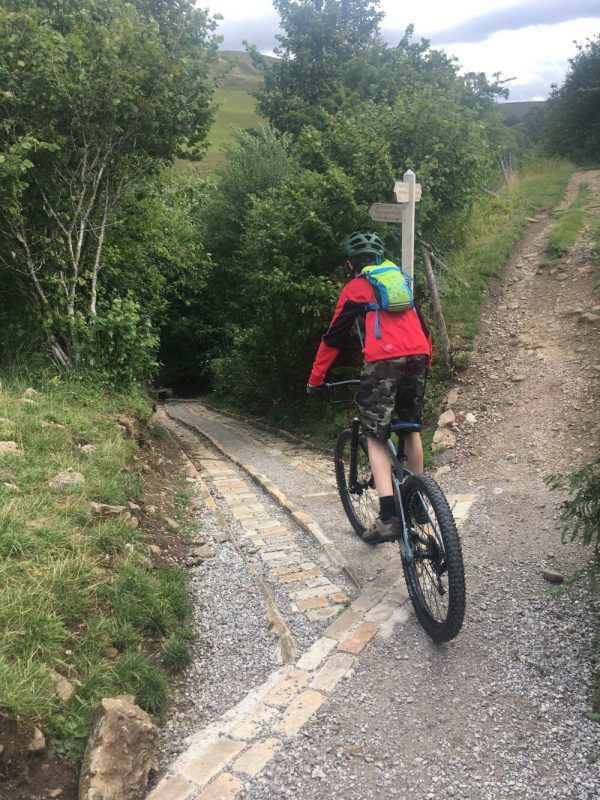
(399, 471)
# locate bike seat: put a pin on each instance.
(406, 427)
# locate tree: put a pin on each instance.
(321, 39)
(573, 115)
(94, 97)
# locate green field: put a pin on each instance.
(236, 106)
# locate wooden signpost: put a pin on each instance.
(408, 193)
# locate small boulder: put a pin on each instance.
(69, 477)
(155, 550)
(64, 689)
(5, 421)
(451, 398)
(88, 448)
(37, 743)
(470, 418)
(11, 487)
(130, 520)
(30, 392)
(106, 510)
(205, 551)
(121, 751)
(133, 506)
(552, 576)
(589, 317)
(447, 419)
(442, 439)
(517, 377)
(171, 523)
(10, 448)
(444, 470)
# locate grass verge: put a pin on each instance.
(565, 231)
(78, 596)
(497, 224)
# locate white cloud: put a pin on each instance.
(537, 55)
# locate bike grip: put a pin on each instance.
(315, 391)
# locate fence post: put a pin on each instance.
(436, 306)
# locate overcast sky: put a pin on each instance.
(530, 41)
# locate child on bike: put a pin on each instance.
(397, 353)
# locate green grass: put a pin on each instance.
(236, 108)
(496, 225)
(567, 227)
(75, 587)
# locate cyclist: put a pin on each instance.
(392, 380)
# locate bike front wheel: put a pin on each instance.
(358, 497)
(433, 568)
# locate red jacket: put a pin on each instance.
(402, 333)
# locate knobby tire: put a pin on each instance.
(360, 506)
(437, 562)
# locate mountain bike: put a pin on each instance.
(430, 548)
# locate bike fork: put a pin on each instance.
(405, 545)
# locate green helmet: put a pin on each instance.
(361, 242)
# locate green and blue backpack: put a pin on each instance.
(392, 289)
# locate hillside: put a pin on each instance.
(239, 71)
(239, 78)
(513, 113)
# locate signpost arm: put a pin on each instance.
(408, 225)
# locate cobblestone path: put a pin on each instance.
(219, 760)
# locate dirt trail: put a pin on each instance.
(501, 711)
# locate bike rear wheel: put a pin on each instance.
(359, 500)
(434, 574)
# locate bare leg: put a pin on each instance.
(380, 465)
(414, 453)
(380, 461)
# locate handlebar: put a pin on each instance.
(353, 382)
(327, 387)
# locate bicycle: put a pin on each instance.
(430, 548)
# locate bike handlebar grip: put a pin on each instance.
(315, 390)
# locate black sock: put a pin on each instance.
(387, 507)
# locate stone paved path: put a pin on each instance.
(306, 479)
(220, 760)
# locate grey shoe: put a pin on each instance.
(381, 531)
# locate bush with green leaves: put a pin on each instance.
(122, 346)
(96, 96)
(580, 514)
(572, 118)
(267, 297)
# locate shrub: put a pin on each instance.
(580, 515)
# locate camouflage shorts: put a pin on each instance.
(391, 389)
